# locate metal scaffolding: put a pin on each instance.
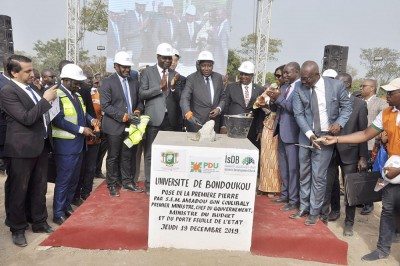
(264, 10)
(73, 29)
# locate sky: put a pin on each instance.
(304, 26)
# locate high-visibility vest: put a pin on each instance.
(393, 131)
(70, 115)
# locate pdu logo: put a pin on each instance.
(203, 166)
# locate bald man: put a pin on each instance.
(321, 107)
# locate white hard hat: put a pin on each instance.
(168, 3)
(247, 67)
(165, 49)
(141, 2)
(329, 73)
(176, 52)
(72, 71)
(123, 58)
(393, 161)
(205, 56)
(191, 10)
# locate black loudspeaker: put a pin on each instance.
(335, 57)
(6, 36)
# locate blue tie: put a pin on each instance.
(46, 115)
(128, 104)
(33, 94)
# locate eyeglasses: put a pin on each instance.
(390, 93)
(277, 76)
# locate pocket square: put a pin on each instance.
(334, 99)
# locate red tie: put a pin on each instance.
(165, 88)
(287, 91)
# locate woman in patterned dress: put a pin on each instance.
(270, 181)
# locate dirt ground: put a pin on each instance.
(363, 241)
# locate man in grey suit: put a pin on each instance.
(321, 106)
(203, 98)
(375, 105)
(286, 128)
(161, 101)
(350, 158)
(119, 100)
(136, 30)
(240, 97)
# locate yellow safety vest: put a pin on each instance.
(70, 115)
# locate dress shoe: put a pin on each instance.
(68, 213)
(59, 220)
(348, 230)
(299, 214)
(367, 209)
(375, 255)
(324, 220)
(19, 239)
(311, 220)
(289, 207)
(113, 191)
(333, 215)
(280, 200)
(45, 228)
(77, 202)
(132, 188)
(84, 197)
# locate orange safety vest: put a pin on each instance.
(393, 131)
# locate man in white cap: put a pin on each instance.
(69, 129)
(240, 97)
(203, 98)
(166, 26)
(161, 97)
(329, 73)
(188, 29)
(119, 100)
(388, 120)
(136, 30)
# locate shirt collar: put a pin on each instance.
(395, 109)
(5, 76)
(21, 85)
(250, 85)
(160, 70)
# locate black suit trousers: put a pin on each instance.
(332, 195)
(119, 161)
(27, 179)
(151, 134)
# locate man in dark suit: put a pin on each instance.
(350, 158)
(188, 29)
(161, 98)
(26, 147)
(286, 128)
(136, 30)
(240, 97)
(120, 103)
(69, 129)
(321, 106)
(219, 41)
(166, 28)
(4, 79)
(203, 98)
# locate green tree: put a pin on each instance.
(382, 63)
(95, 64)
(49, 54)
(93, 17)
(233, 65)
(248, 48)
